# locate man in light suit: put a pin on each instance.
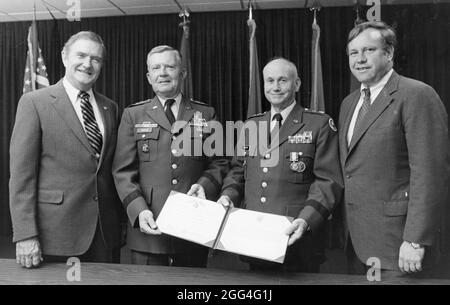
(62, 196)
(394, 152)
(147, 166)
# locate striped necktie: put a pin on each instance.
(362, 112)
(90, 124)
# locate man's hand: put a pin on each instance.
(147, 223)
(296, 230)
(225, 201)
(410, 259)
(197, 191)
(28, 252)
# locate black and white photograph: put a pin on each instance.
(224, 149)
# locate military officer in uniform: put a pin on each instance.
(305, 183)
(147, 166)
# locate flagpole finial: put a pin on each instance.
(315, 7)
(250, 10)
(184, 13)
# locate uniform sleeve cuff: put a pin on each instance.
(210, 186)
(233, 194)
(135, 208)
(314, 214)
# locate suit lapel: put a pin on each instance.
(185, 114)
(65, 110)
(291, 126)
(106, 114)
(156, 111)
(380, 104)
(353, 99)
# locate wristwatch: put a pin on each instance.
(416, 246)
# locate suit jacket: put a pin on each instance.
(396, 170)
(310, 190)
(59, 191)
(147, 166)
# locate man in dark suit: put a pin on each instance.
(62, 195)
(149, 163)
(305, 183)
(394, 152)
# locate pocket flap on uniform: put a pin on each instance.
(53, 197)
(395, 208)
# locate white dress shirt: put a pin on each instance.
(73, 93)
(284, 114)
(374, 92)
(175, 106)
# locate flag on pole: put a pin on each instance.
(254, 91)
(186, 89)
(35, 76)
(317, 99)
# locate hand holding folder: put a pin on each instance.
(240, 231)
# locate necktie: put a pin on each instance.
(278, 118)
(362, 111)
(168, 110)
(90, 124)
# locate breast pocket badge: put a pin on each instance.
(296, 165)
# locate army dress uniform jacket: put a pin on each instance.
(59, 191)
(305, 183)
(147, 166)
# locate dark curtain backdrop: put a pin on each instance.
(220, 60)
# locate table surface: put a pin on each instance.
(112, 274)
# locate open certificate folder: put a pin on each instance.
(240, 231)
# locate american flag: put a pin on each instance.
(35, 76)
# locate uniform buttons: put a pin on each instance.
(174, 181)
(265, 170)
(348, 176)
(95, 198)
(300, 153)
(267, 156)
(143, 135)
(263, 199)
(264, 184)
(174, 166)
(174, 151)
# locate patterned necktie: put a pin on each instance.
(362, 112)
(90, 124)
(168, 110)
(278, 118)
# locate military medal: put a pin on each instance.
(145, 148)
(198, 121)
(296, 165)
(145, 127)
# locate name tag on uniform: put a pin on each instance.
(145, 127)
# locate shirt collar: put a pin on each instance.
(380, 84)
(73, 92)
(284, 113)
(177, 100)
